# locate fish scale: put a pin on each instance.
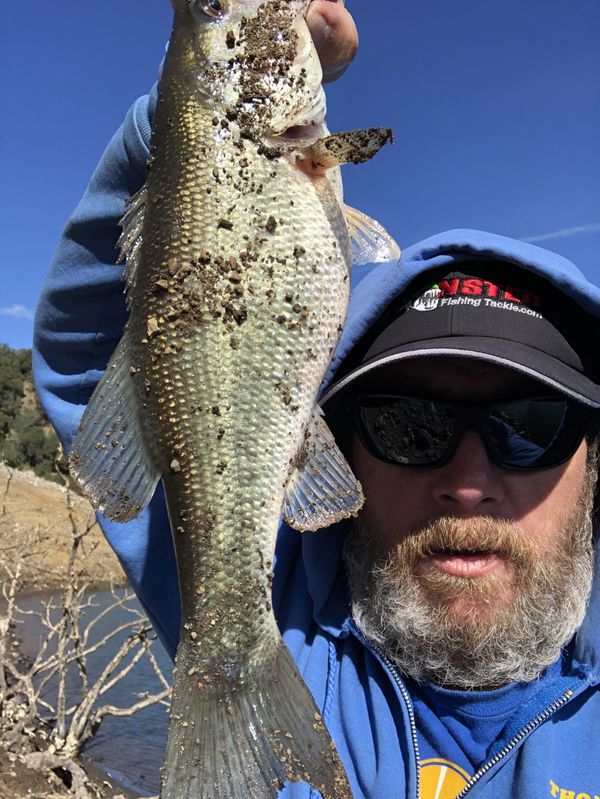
(238, 256)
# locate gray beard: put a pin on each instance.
(410, 619)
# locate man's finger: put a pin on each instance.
(335, 35)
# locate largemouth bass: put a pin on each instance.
(238, 250)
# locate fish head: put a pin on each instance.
(256, 62)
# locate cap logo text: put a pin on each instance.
(474, 287)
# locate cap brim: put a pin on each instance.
(512, 355)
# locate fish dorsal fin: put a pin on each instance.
(110, 459)
(349, 147)
(322, 490)
(371, 243)
(130, 240)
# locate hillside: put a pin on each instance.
(38, 517)
(35, 519)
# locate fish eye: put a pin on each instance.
(212, 8)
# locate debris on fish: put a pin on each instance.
(237, 267)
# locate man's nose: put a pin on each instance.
(469, 482)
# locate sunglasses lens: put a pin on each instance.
(533, 433)
(406, 430)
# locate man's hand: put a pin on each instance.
(335, 36)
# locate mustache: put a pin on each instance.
(484, 534)
(451, 535)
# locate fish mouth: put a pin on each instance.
(296, 141)
(302, 128)
(301, 135)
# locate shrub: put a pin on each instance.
(26, 439)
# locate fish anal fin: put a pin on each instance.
(348, 147)
(248, 739)
(323, 489)
(371, 243)
(111, 459)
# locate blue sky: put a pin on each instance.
(495, 107)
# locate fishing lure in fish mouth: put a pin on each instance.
(238, 252)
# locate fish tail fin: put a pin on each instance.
(245, 743)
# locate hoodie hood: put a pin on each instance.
(322, 550)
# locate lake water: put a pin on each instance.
(128, 748)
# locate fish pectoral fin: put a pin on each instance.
(249, 738)
(130, 240)
(110, 459)
(349, 147)
(371, 243)
(323, 489)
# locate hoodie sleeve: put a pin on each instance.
(81, 311)
(79, 321)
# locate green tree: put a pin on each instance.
(11, 387)
(26, 439)
(29, 446)
(25, 367)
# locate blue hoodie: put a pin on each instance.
(548, 749)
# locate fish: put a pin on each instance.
(238, 251)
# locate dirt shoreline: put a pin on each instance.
(19, 782)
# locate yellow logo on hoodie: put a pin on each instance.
(441, 779)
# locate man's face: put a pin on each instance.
(475, 551)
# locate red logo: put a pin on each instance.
(474, 287)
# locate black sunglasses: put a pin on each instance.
(527, 433)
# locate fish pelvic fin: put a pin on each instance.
(246, 742)
(323, 489)
(111, 459)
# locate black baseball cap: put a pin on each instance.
(491, 311)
